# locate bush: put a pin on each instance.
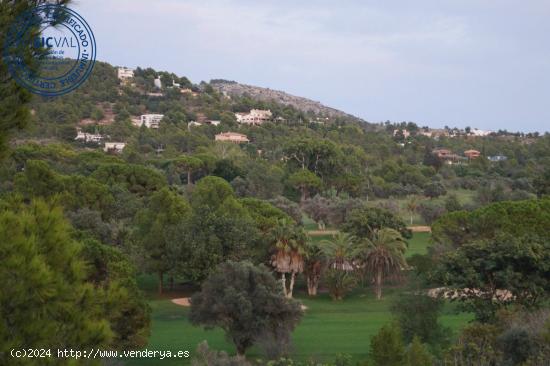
(417, 354)
(417, 315)
(434, 190)
(430, 211)
(386, 347)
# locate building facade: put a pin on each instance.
(255, 117)
(150, 120)
(234, 137)
(116, 147)
(88, 137)
(124, 73)
(472, 154)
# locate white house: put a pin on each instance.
(150, 120)
(194, 124)
(480, 133)
(88, 137)
(254, 117)
(158, 83)
(114, 147)
(125, 73)
(213, 123)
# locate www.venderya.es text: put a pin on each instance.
(95, 353)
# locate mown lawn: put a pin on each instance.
(327, 328)
(418, 244)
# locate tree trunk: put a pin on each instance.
(160, 283)
(411, 219)
(189, 177)
(171, 283)
(378, 284)
(291, 286)
(304, 195)
(312, 284)
(283, 281)
(240, 351)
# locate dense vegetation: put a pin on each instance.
(227, 220)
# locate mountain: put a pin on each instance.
(233, 88)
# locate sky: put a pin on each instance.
(478, 63)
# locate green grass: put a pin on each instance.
(327, 328)
(418, 244)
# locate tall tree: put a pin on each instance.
(114, 277)
(341, 274)
(383, 256)
(315, 263)
(488, 275)
(290, 241)
(188, 164)
(45, 300)
(340, 251)
(305, 181)
(247, 303)
(412, 206)
(156, 227)
(363, 221)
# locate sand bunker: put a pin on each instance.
(183, 301)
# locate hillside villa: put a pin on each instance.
(234, 137)
(125, 73)
(255, 117)
(115, 147)
(479, 133)
(149, 120)
(88, 137)
(447, 156)
(472, 154)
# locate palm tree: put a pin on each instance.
(313, 266)
(289, 252)
(340, 251)
(340, 254)
(412, 207)
(383, 256)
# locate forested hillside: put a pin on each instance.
(294, 153)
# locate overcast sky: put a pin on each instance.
(479, 63)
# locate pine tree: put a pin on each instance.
(45, 301)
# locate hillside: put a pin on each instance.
(305, 105)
